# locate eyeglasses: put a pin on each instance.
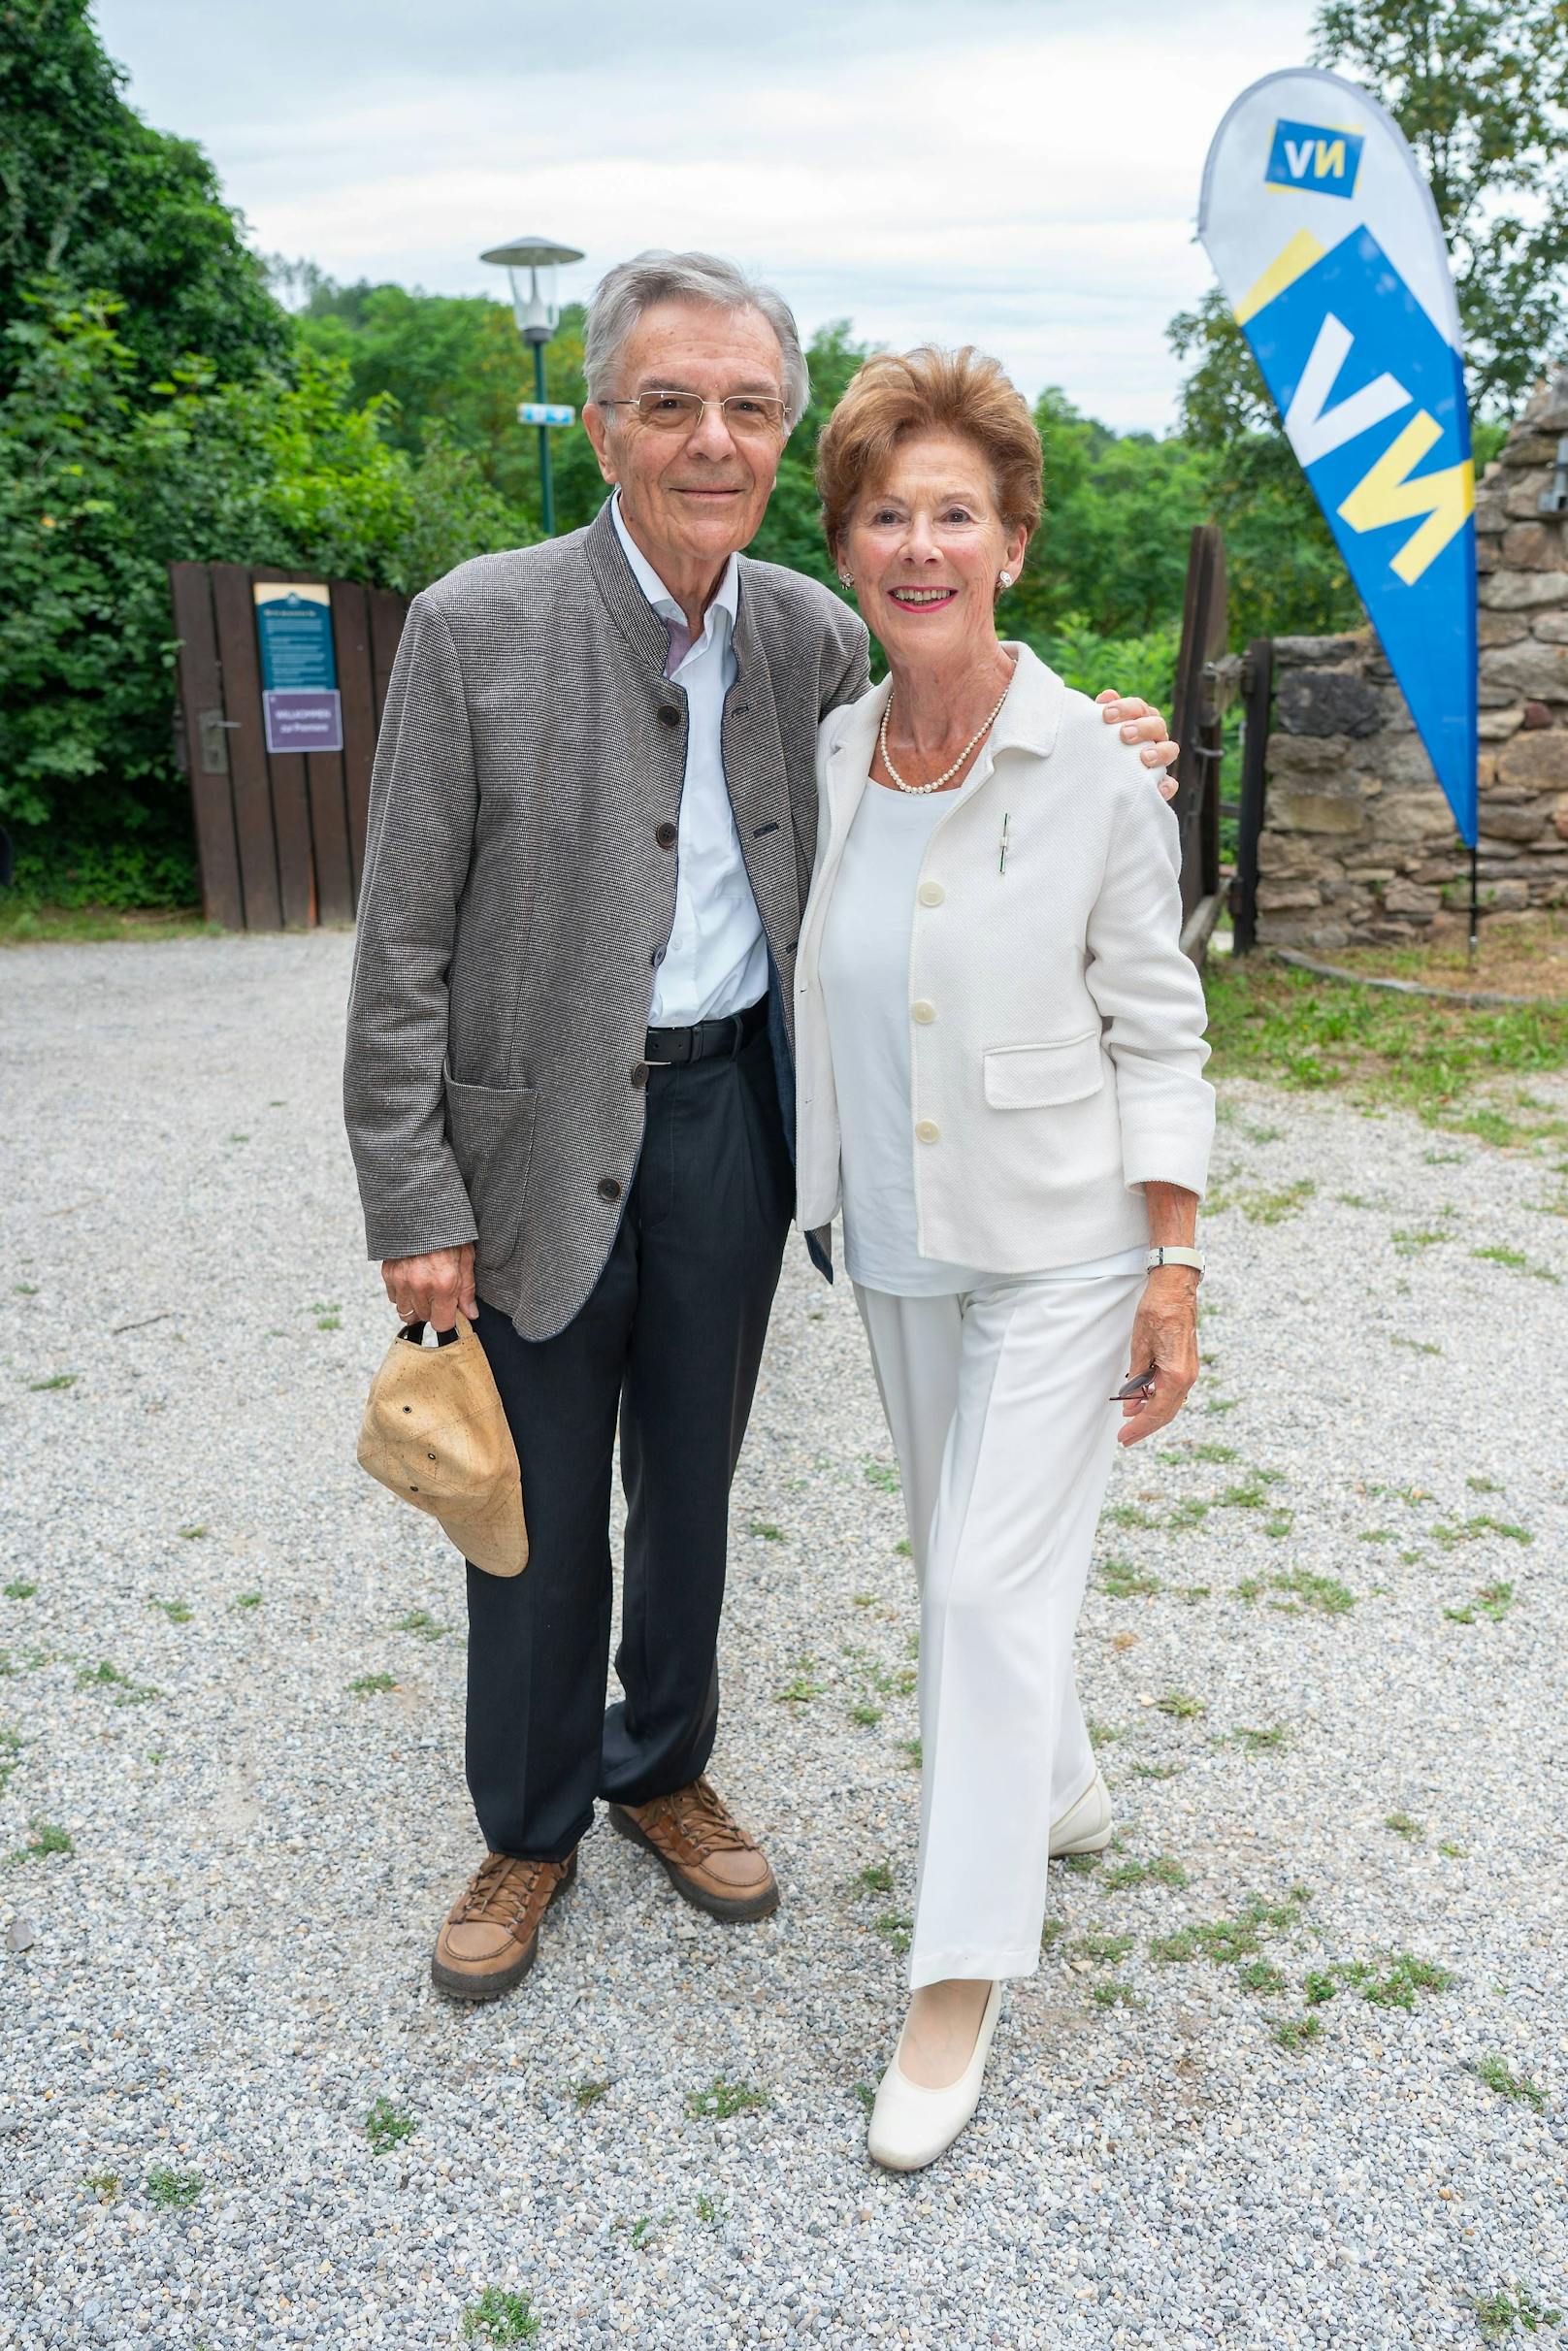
(748, 416)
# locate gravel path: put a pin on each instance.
(206, 1996)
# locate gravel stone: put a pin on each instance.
(229, 1968)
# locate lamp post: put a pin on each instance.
(537, 315)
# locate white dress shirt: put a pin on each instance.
(716, 958)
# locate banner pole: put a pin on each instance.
(1475, 899)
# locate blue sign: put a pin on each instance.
(1374, 406)
(546, 413)
(294, 624)
(1314, 156)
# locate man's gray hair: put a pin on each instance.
(634, 287)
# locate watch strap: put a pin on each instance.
(1164, 1254)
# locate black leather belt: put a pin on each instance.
(670, 1048)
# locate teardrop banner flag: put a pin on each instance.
(1329, 251)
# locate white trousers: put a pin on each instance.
(999, 1405)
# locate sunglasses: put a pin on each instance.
(1140, 1385)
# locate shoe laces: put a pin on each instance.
(699, 1814)
(503, 1888)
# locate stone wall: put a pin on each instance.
(1359, 842)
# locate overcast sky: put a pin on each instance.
(1022, 174)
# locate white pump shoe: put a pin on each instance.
(1085, 1827)
(910, 2125)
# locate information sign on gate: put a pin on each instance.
(299, 670)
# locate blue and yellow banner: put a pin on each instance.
(1329, 250)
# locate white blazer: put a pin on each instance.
(1056, 1026)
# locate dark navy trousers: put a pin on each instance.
(667, 1345)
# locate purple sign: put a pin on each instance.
(301, 720)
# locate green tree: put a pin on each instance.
(106, 479)
(1480, 88)
(93, 199)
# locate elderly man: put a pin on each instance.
(570, 1084)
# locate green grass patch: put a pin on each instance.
(1105, 1950)
(1296, 2031)
(875, 1878)
(1499, 2075)
(47, 1839)
(499, 2317)
(1498, 2313)
(1517, 1262)
(587, 2094)
(1112, 1993)
(103, 1676)
(368, 1685)
(60, 1379)
(386, 2126)
(420, 1620)
(1492, 1601)
(1293, 1029)
(1182, 1705)
(1120, 1580)
(20, 1589)
(1403, 1826)
(1161, 1869)
(178, 1612)
(1302, 1590)
(896, 1929)
(722, 2099)
(883, 1475)
(803, 1685)
(172, 2191)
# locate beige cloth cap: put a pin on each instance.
(434, 1433)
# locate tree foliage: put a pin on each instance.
(91, 197)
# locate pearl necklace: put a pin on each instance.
(948, 773)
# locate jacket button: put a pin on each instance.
(666, 835)
(668, 715)
(931, 893)
(656, 958)
(927, 1131)
(609, 1187)
(923, 1011)
(640, 1073)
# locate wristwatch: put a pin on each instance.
(1163, 1254)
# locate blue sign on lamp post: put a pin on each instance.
(537, 316)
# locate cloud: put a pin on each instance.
(998, 173)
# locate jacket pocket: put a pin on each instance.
(491, 1131)
(1038, 1077)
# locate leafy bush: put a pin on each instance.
(106, 479)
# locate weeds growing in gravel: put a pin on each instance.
(707, 2211)
(1391, 1983)
(369, 1684)
(420, 1621)
(883, 1475)
(1492, 1601)
(896, 1929)
(61, 1379)
(19, 1589)
(11, 1744)
(1113, 1993)
(108, 1676)
(1161, 1869)
(586, 2094)
(1223, 1940)
(875, 1878)
(1498, 2313)
(1157, 1771)
(178, 1612)
(47, 1837)
(249, 1600)
(1499, 2075)
(803, 1685)
(1517, 1262)
(722, 2099)
(1302, 1589)
(104, 2186)
(1258, 1742)
(1182, 1705)
(172, 2191)
(386, 2126)
(912, 1753)
(1120, 1580)
(1105, 1950)
(1403, 1826)
(766, 1530)
(1296, 2031)
(499, 2317)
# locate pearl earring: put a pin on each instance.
(847, 579)
(1004, 579)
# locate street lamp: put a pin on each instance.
(537, 316)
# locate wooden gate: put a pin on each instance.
(280, 835)
(1205, 685)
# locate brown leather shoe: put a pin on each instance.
(706, 1854)
(491, 1937)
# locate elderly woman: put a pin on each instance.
(1000, 1053)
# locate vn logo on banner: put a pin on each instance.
(1329, 251)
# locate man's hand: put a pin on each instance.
(1141, 723)
(432, 1289)
(1165, 1335)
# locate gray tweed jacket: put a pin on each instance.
(520, 879)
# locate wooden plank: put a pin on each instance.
(201, 692)
(291, 805)
(250, 782)
(388, 614)
(356, 683)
